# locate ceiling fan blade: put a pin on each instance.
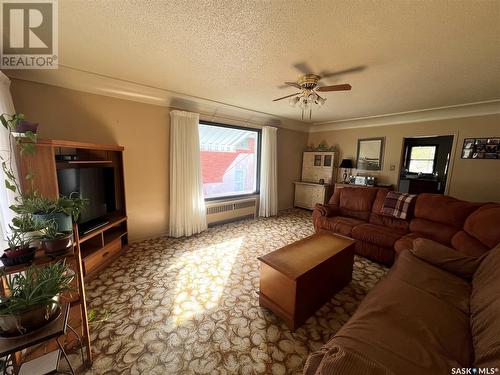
(342, 87)
(303, 67)
(294, 84)
(326, 74)
(284, 97)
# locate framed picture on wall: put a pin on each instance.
(370, 154)
(481, 148)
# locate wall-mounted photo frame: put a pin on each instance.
(370, 154)
(481, 148)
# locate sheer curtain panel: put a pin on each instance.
(187, 204)
(269, 173)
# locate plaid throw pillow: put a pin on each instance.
(397, 204)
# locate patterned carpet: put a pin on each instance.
(190, 306)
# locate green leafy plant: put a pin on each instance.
(72, 205)
(50, 232)
(27, 223)
(36, 204)
(37, 286)
(18, 240)
(25, 147)
(98, 318)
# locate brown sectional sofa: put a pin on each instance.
(471, 228)
(436, 310)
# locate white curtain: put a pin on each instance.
(187, 204)
(7, 197)
(269, 173)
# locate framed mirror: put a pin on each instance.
(370, 154)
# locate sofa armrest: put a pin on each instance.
(445, 257)
(327, 209)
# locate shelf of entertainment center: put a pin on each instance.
(64, 162)
(113, 223)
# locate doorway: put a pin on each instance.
(425, 164)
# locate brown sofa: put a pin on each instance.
(471, 228)
(436, 310)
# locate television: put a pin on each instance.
(97, 185)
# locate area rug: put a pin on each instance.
(190, 306)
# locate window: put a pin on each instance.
(230, 159)
(422, 159)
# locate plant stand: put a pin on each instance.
(54, 330)
(79, 299)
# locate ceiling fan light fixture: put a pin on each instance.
(312, 97)
(308, 98)
(320, 101)
(293, 101)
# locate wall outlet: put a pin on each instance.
(392, 167)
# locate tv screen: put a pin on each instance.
(95, 184)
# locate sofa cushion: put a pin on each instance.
(445, 257)
(443, 209)
(356, 202)
(485, 311)
(405, 242)
(339, 224)
(438, 232)
(336, 360)
(415, 321)
(483, 224)
(377, 234)
(467, 244)
(374, 252)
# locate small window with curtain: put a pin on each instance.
(422, 159)
(230, 158)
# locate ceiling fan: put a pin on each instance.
(310, 86)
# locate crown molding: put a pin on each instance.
(489, 107)
(79, 80)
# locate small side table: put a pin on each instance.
(53, 330)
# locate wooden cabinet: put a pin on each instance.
(99, 257)
(307, 194)
(318, 165)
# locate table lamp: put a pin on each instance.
(346, 164)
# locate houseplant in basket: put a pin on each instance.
(32, 298)
(55, 242)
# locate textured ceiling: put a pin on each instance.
(418, 54)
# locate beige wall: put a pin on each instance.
(143, 130)
(291, 144)
(475, 180)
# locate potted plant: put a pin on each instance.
(32, 298)
(30, 227)
(55, 242)
(19, 250)
(62, 211)
(25, 126)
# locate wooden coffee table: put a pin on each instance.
(298, 279)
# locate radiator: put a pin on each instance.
(224, 211)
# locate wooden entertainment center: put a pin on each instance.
(96, 248)
(102, 245)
